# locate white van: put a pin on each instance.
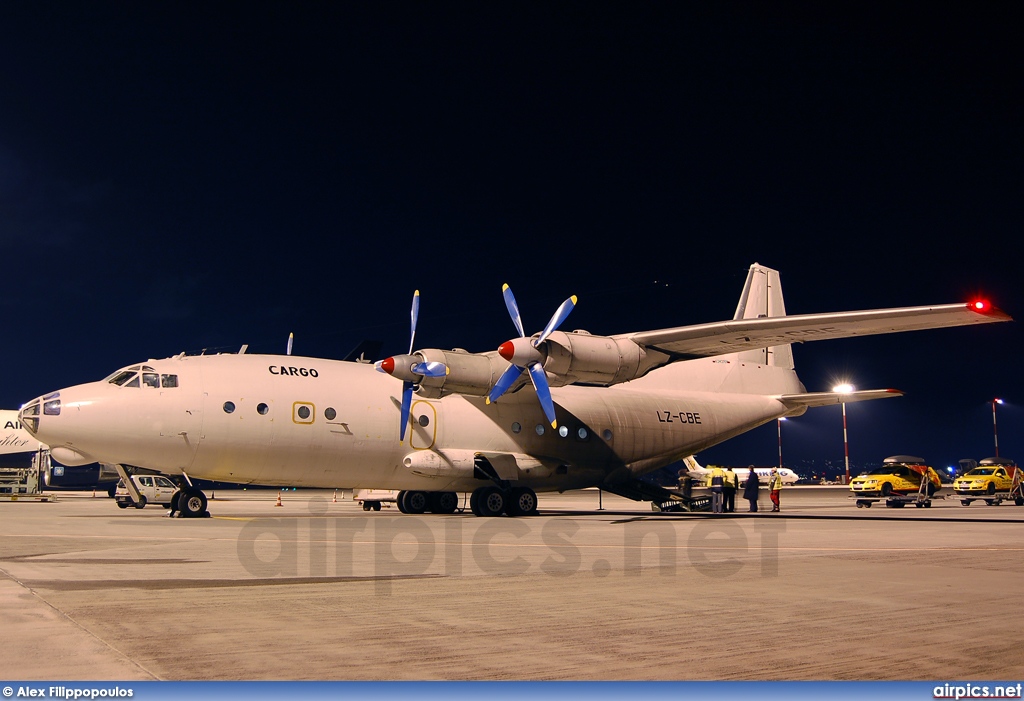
(154, 489)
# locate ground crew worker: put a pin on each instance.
(775, 485)
(751, 487)
(716, 481)
(732, 483)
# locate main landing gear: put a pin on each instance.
(485, 501)
(189, 502)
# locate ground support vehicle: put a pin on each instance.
(920, 499)
(374, 499)
(152, 489)
(993, 480)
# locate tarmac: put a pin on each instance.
(317, 589)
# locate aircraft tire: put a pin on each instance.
(474, 502)
(191, 503)
(416, 502)
(141, 503)
(521, 501)
(443, 502)
(491, 501)
(400, 502)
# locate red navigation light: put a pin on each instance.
(980, 305)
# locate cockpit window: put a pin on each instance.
(151, 379)
(169, 380)
(133, 383)
(119, 378)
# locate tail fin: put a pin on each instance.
(762, 297)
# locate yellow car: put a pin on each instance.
(990, 476)
(900, 474)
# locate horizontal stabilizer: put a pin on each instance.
(829, 398)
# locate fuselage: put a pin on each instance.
(293, 421)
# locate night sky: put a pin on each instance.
(184, 176)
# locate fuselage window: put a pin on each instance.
(303, 412)
(151, 379)
(134, 382)
(330, 414)
(606, 434)
(539, 429)
(516, 427)
(229, 407)
(262, 408)
(582, 433)
(423, 421)
(563, 431)
(169, 380)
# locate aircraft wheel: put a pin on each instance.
(474, 502)
(522, 501)
(490, 502)
(400, 502)
(415, 502)
(191, 503)
(141, 503)
(444, 502)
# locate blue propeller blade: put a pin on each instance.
(406, 407)
(556, 320)
(511, 374)
(431, 369)
(415, 315)
(540, 383)
(513, 308)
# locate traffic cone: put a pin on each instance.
(279, 500)
(335, 496)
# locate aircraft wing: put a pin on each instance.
(720, 338)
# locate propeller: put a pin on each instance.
(524, 354)
(410, 368)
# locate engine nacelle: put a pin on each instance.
(601, 360)
(468, 373)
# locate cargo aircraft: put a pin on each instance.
(550, 411)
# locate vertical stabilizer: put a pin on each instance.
(762, 297)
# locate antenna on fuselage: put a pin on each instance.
(243, 349)
(291, 339)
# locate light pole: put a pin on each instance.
(845, 389)
(995, 430)
(779, 422)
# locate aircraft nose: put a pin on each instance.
(47, 405)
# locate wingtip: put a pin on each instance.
(573, 298)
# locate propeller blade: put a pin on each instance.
(513, 308)
(415, 315)
(431, 369)
(540, 383)
(511, 374)
(291, 340)
(556, 320)
(406, 407)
